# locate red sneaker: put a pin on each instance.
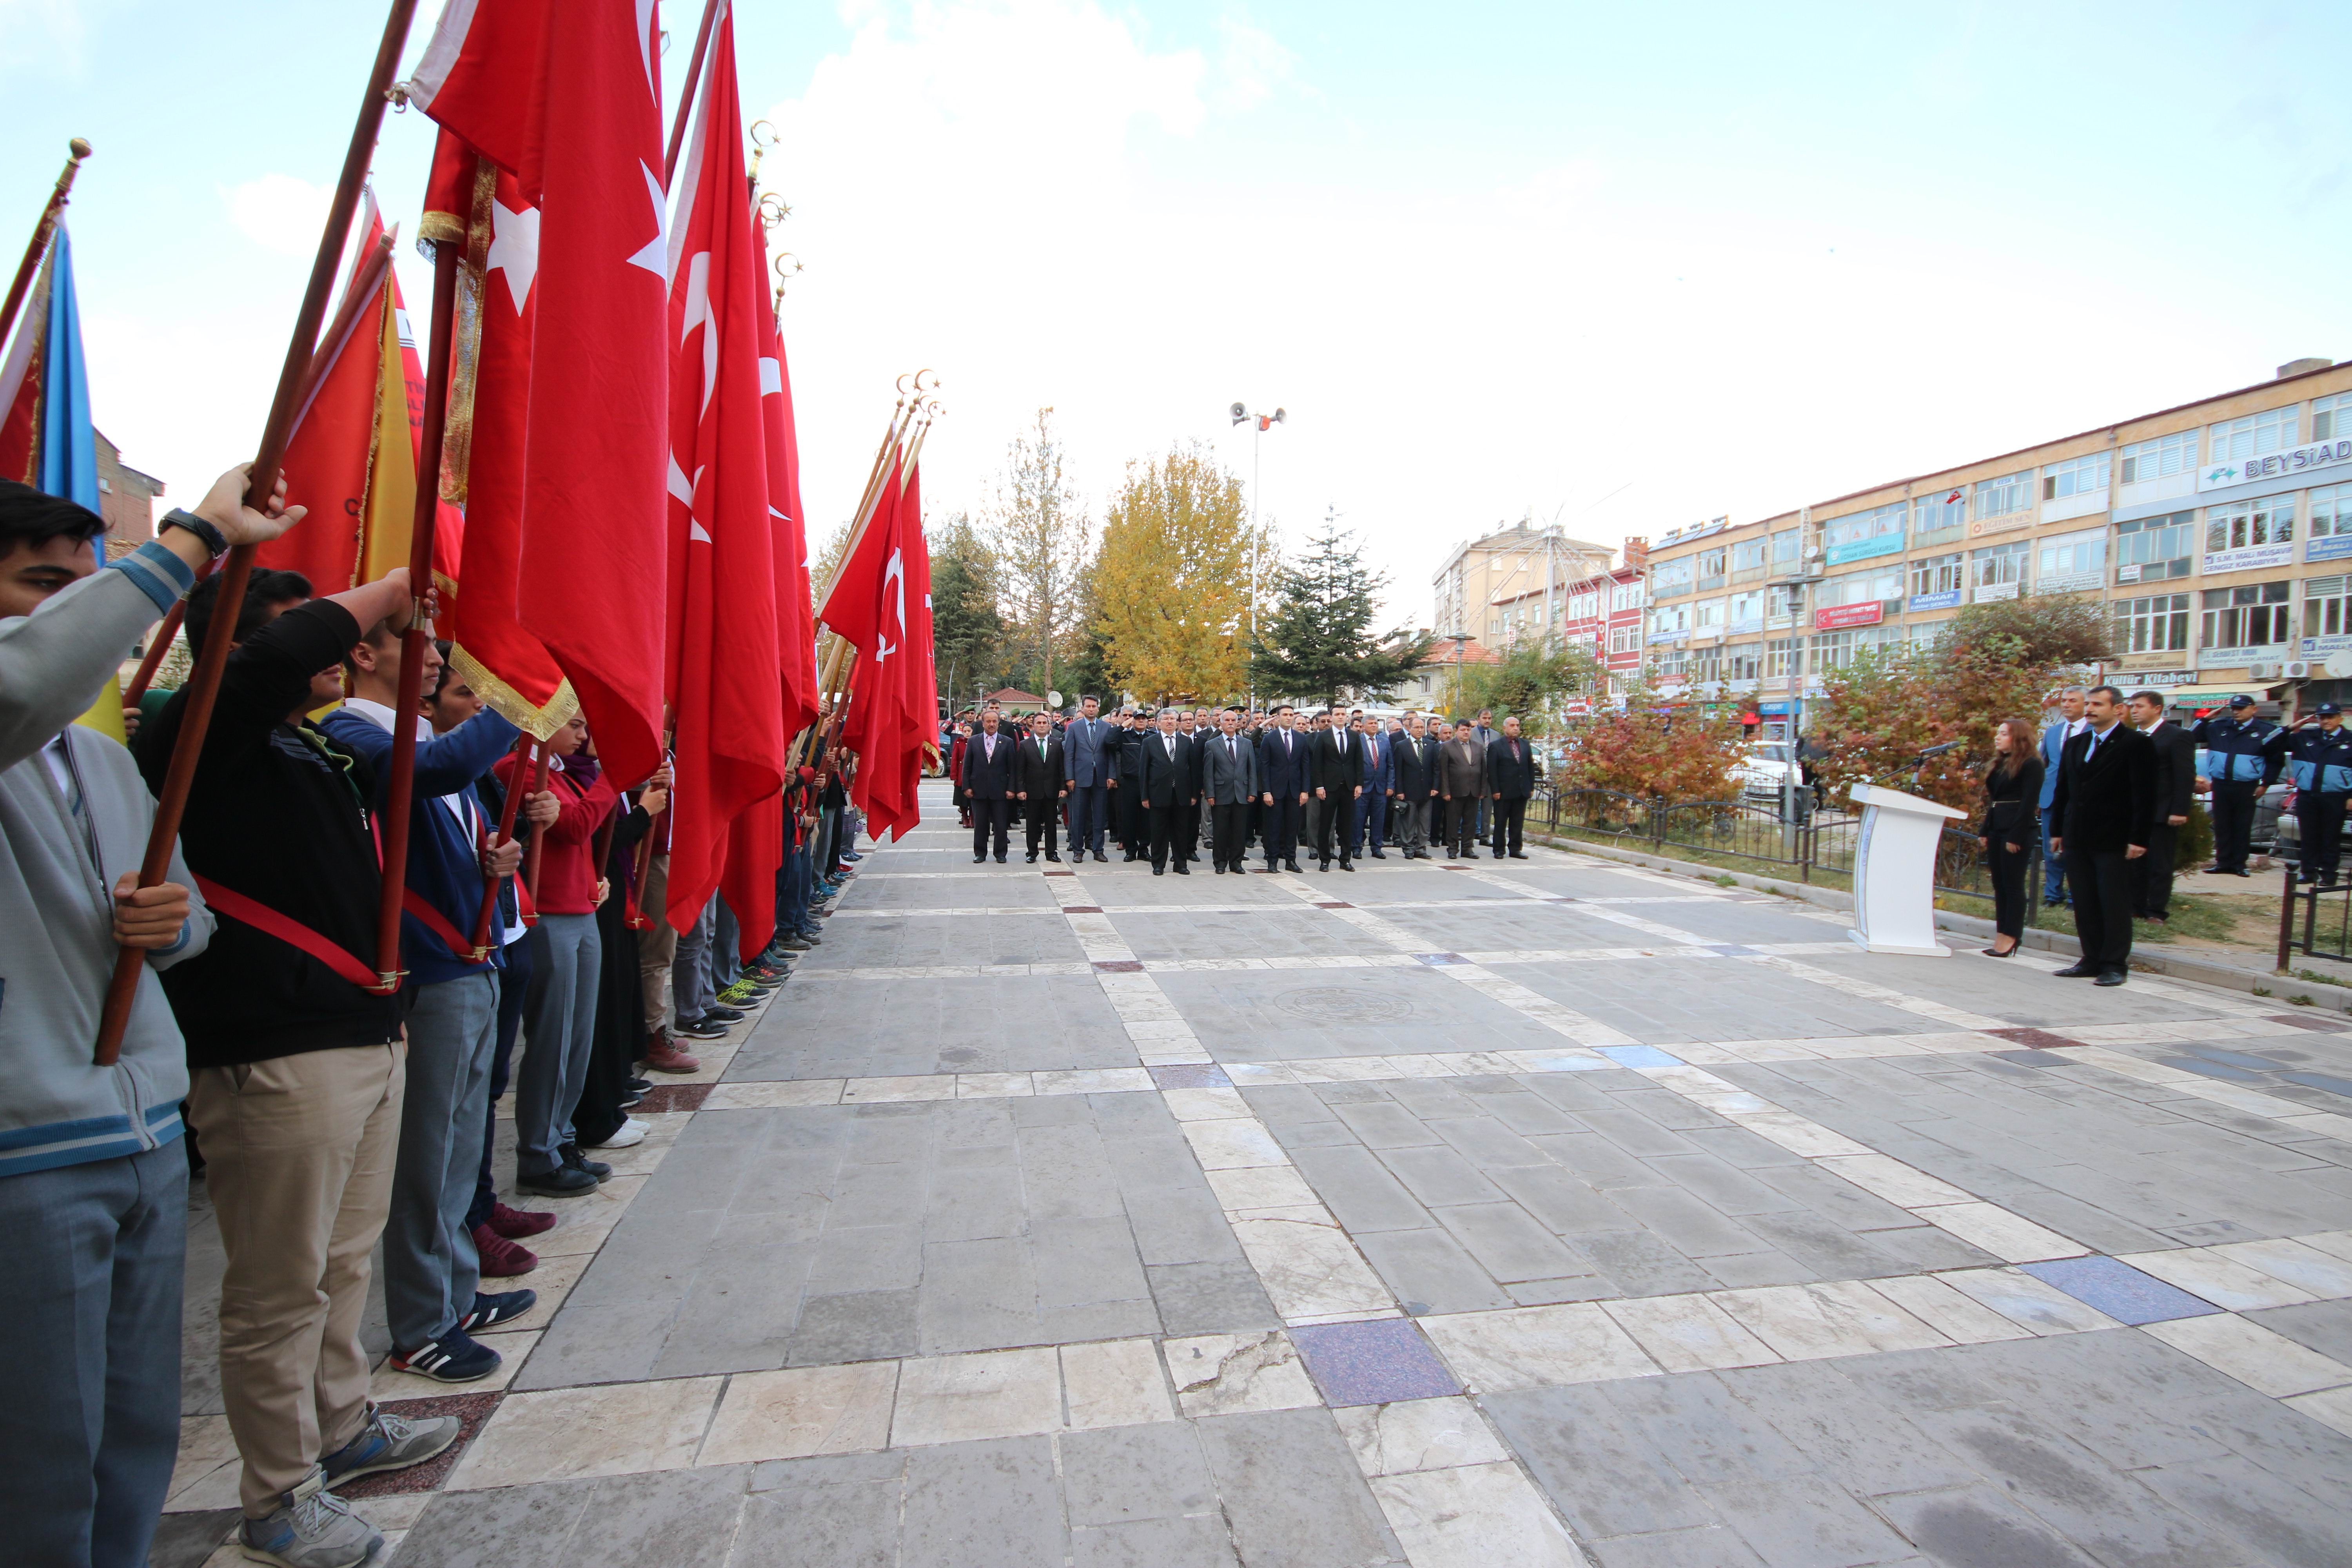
(518, 1223)
(501, 1259)
(661, 1055)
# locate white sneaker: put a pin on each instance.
(632, 1131)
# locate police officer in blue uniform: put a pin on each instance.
(2320, 762)
(2238, 754)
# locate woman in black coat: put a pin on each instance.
(2012, 789)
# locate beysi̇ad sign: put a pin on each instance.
(2295, 462)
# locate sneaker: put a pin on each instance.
(311, 1527)
(498, 1258)
(739, 994)
(492, 1307)
(574, 1159)
(661, 1055)
(633, 1099)
(520, 1223)
(452, 1358)
(628, 1135)
(796, 944)
(390, 1442)
(722, 1014)
(852, 855)
(562, 1182)
(703, 1028)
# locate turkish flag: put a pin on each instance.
(474, 204)
(795, 621)
(568, 101)
(877, 604)
(724, 682)
(327, 455)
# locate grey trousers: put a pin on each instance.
(430, 1269)
(91, 1292)
(558, 1026)
(689, 972)
(1409, 823)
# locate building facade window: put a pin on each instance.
(1625, 639)
(2245, 524)
(1937, 574)
(1672, 662)
(1925, 637)
(2077, 477)
(2252, 617)
(1832, 651)
(1784, 656)
(1878, 531)
(1744, 662)
(1668, 578)
(1862, 587)
(2153, 548)
(1584, 606)
(1748, 555)
(2326, 608)
(2235, 440)
(1706, 616)
(2069, 562)
(1999, 498)
(1938, 515)
(1787, 549)
(1626, 596)
(2331, 416)
(1712, 565)
(1748, 610)
(2331, 512)
(2160, 459)
(1997, 572)
(2154, 623)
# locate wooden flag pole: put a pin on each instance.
(203, 685)
(686, 93)
(367, 281)
(46, 225)
(400, 788)
(538, 832)
(644, 863)
(525, 749)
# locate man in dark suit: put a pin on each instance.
(2106, 807)
(1461, 785)
(1335, 767)
(2176, 779)
(1282, 787)
(1127, 788)
(1193, 725)
(1037, 775)
(988, 779)
(1511, 774)
(1413, 781)
(1085, 768)
(1228, 784)
(1165, 763)
(1380, 777)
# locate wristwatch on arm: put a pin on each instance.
(215, 541)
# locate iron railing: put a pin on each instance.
(2314, 919)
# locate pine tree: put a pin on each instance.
(1320, 640)
(967, 632)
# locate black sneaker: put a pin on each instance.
(702, 1028)
(639, 1085)
(492, 1307)
(563, 1182)
(573, 1160)
(452, 1358)
(722, 1014)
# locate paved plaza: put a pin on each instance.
(1521, 1213)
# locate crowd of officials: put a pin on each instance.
(1158, 786)
(326, 1118)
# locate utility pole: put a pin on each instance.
(1262, 423)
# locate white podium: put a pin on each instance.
(1894, 871)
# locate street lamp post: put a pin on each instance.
(1262, 423)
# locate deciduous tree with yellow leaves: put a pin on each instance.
(1171, 579)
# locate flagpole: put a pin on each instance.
(538, 832)
(686, 93)
(525, 751)
(204, 684)
(400, 787)
(46, 225)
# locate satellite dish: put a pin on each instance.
(2339, 666)
(1052, 699)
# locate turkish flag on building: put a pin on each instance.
(724, 683)
(567, 99)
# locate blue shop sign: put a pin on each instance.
(2333, 548)
(1947, 599)
(1780, 710)
(1865, 549)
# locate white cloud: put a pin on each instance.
(280, 213)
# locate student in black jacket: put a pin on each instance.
(2013, 791)
(2104, 807)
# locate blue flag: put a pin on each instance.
(68, 451)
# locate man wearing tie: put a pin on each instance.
(1037, 775)
(1165, 776)
(1282, 787)
(1462, 785)
(2070, 724)
(1228, 784)
(2106, 807)
(1413, 768)
(1510, 780)
(1481, 735)
(1335, 767)
(1087, 767)
(988, 780)
(1373, 805)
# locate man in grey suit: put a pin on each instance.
(1462, 786)
(1228, 784)
(1087, 765)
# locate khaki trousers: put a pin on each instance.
(655, 948)
(299, 1159)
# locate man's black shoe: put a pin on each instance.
(1346, 864)
(1160, 870)
(1033, 856)
(573, 1160)
(2109, 977)
(562, 1182)
(2242, 871)
(1056, 860)
(1292, 866)
(978, 858)
(1517, 855)
(1182, 868)
(1000, 859)
(1378, 856)
(2076, 971)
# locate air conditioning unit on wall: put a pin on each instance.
(2304, 669)
(2270, 670)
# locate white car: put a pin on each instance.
(1765, 766)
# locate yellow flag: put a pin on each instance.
(105, 715)
(392, 457)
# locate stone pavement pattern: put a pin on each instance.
(1523, 1212)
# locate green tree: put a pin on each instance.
(1533, 675)
(1170, 583)
(966, 629)
(1320, 640)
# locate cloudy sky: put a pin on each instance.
(1625, 267)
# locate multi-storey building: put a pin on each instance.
(1600, 613)
(1479, 572)
(2218, 532)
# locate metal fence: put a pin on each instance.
(2316, 921)
(1797, 844)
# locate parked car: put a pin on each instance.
(1765, 768)
(2277, 830)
